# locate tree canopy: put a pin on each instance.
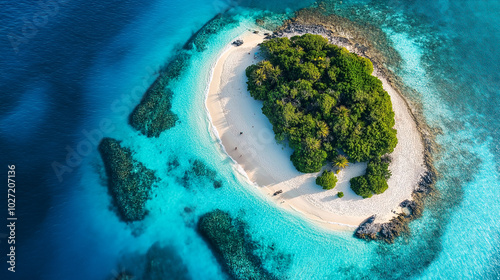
(322, 99)
(375, 179)
(327, 180)
(341, 161)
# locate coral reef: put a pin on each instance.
(231, 246)
(153, 114)
(129, 181)
(198, 173)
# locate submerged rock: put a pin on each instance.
(199, 174)
(217, 184)
(173, 163)
(164, 263)
(232, 249)
(129, 181)
(159, 262)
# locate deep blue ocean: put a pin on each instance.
(68, 65)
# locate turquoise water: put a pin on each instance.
(449, 57)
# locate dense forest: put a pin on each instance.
(324, 101)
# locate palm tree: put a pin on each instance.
(341, 161)
(259, 76)
(312, 144)
(342, 111)
(266, 71)
(323, 129)
(274, 74)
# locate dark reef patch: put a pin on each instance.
(173, 163)
(164, 263)
(153, 114)
(159, 262)
(200, 39)
(230, 242)
(129, 181)
(199, 174)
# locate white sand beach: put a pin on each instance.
(268, 164)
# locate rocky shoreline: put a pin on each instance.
(338, 31)
(412, 209)
(129, 181)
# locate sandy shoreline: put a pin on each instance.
(267, 164)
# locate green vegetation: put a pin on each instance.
(375, 179)
(322, 99)
(340, 194)
(341, 162)
(327, 180)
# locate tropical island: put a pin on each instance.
(319, 133)
(324, 101)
